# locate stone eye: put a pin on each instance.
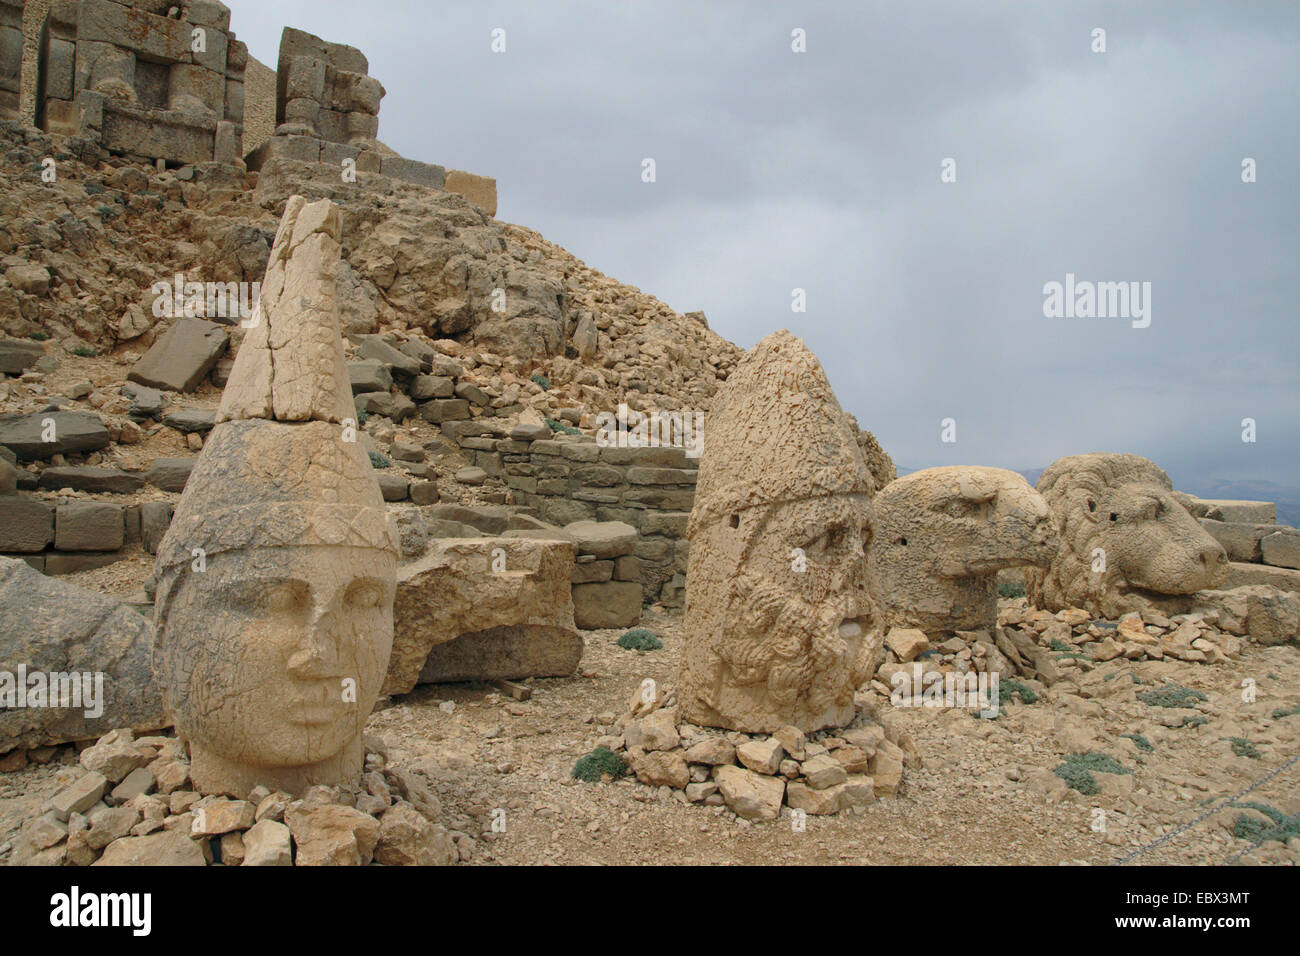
(363, 596)
(282, 597)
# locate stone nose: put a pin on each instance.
(1211, 556)
(317, 654)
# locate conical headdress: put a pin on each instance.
(776, 434)
(278, 469)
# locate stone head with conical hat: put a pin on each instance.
(780, 627)
(274, 613)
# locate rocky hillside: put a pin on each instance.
(82, 252)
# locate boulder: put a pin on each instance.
(332, 835)
(750, 795)
(604, 539)
(406, 838)
(170, 474)
(165, 848)
(483, 608)
(268, 843)
(18, 355)
(1281, 549)
(48, 626)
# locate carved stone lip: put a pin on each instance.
(313, 702)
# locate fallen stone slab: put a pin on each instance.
(369, 375)
(18, 355)
(1241, 574)
(94, 480)
(43, 434)
(170, 474)
(611, 604)
(374, 347)
(489, 519)
(188, 420)
(165, 848)
(604, 539)
(49, 626)
(1281, 549)
(511, 596)
(183, 357)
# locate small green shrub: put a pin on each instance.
(1195, 721)
(640, 639)
(1171, 695)
(1008, 687)
(379, 461)
(1244, 748)
(1280, 713)
(602, 760)
(1257, 831)
(1060, 645)
(562, 427)
(1140, 742)
(40, 335)
(109, 212)
(543, 381)
(1078, 769)
(85, 351)
(1009, 589)
(362, 416)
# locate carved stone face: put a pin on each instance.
(788, 624)
(1152, 540)
(944, 533)
(1125, 540)
(278, 655)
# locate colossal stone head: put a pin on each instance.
(1125, 539)
(274, 613)
(942, 535)
(780, 628)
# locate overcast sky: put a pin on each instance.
(821, 170)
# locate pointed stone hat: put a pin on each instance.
(776, 435)
(282, 466)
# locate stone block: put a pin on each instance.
(26, 524)
(410, 170)
(183, 357)
(608, 605)
(1281, 549)
(480, 190)
(88, 526)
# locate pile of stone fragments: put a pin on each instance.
(755, 775)
(129, 803)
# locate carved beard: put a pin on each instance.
(793, 641)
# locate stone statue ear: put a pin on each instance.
(1091, 510)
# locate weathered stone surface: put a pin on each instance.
(1241, 574)
(1122, 504)
(713, 751)
(271, 657)
(187, 420)
(18, 355)
(609, 604)
(170, 474)
(1239, 539)
(750, 795)
(115, 755)
(332, 835)
(1230, 510)
(761, 756)
(660, 768)
(26, 524)
(942, 534)
(165, 848)
(49, 626)
(1281, 549)
(268, 843)
(456, 617)
(1262, 612)
(823, 771)
(406, 838)
(766, 647)
(94, 480)
(79, 796)
(908, 643)
(88, 526)
(604, 539)
(221, 816)
(369, 376)
(26, 435)
(183, 357)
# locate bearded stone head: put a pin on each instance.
(780, 627)
(942, 535)
(1125, 539)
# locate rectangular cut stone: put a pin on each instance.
(413, 171)
(302, 148)
(157, 134)
(480, 190)
(1282, 549)
(89, 526)
(1241, 573)
(26, 524)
